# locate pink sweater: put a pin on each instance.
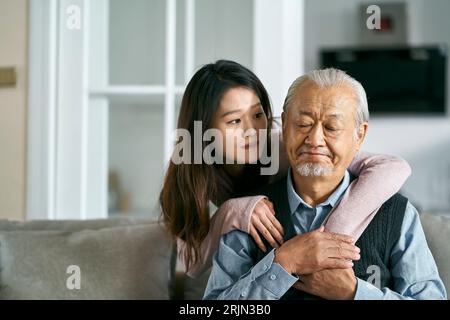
(379, 178)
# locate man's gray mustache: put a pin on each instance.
(308, 150)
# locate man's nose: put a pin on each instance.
(315, 137)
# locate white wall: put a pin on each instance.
(224, 30)
(13, 52)
(423, 141)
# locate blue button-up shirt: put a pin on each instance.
(235, 276)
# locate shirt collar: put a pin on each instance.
(295, 200)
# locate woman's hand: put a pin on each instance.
(263, 222)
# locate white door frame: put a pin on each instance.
(58, 117)
(41, 182)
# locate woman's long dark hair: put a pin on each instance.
(188, 188)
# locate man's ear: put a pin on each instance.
(361, 134)
(283, 120)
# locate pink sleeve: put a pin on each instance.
(232, 214)
(380, 177)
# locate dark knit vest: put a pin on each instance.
(376, 242)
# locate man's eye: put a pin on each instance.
(235, 121)
(331, 128)
(303, 125)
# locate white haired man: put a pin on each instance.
(325, 121)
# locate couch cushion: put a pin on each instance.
(437, 232)
(124, 262)
(70, 225)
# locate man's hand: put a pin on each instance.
(315, 251)
(332, 284)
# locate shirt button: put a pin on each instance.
(273, 277)
(243, 294)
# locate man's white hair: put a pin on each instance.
(331, 77)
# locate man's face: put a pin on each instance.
(319, 130)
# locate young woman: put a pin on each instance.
(230, 98)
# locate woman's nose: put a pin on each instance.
(248, 127)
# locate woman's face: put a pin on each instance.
(239, 118)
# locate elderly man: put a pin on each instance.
(325, 120)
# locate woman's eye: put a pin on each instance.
(235, 121)
(259, 115)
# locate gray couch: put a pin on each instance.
(119, 259)
(91, 259)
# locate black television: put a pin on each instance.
(397, 80)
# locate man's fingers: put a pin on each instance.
(341, 253)
(265, 233)
(320, 229)
(268, 223)
(332, 263)
(340, 237)
(342, 245)
(257, 238)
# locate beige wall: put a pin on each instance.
(13, 52)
